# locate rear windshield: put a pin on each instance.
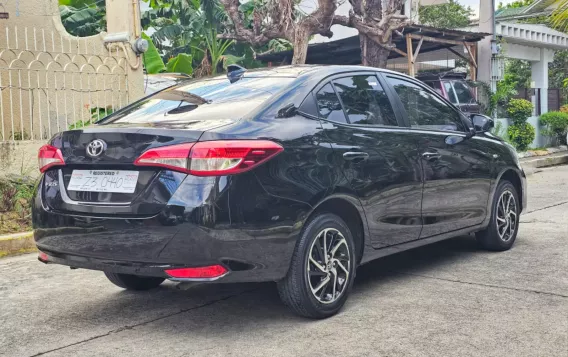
(215, 98)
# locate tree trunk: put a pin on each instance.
(301, 39)
(372, 54)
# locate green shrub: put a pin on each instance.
(519, 110)
(556, 125)
(521, 135)
(564, 108)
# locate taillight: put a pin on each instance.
(211, 158)
(207, 272)
(48, 157)
(174, 157)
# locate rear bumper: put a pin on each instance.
(149, 251)
(247, 237)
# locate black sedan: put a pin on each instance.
(293, 174)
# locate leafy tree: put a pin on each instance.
(515, 4)
(448, 16)
(83, 17)
(259, 22)
(376, 20)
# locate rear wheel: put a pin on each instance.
(504, 225)
(134, 282)
(322, 268)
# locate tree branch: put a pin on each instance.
(240, 31)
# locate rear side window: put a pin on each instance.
(450, 90)
(365, 101)
(329, 106)
(424, 109)
(463, 93)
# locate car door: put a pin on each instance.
(379, 161)
(457, 168)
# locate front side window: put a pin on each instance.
(365, 101)
(329, 106)
(424, 109)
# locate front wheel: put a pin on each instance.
(502, 230)
(134, 282)
(322, 268)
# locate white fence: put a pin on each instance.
(49, 81)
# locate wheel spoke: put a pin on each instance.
(317, 265)
(320, 251)
(325, 245)
(513, 213)
(323, 283)
(340, 264)
(334, 284)
(342, 241)
(501, 219)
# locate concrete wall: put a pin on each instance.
(51, 79)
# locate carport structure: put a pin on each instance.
(411, 42)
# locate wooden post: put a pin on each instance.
(472, 64)
(409, 55)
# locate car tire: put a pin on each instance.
(134, 282)
(299, 289)
(502, 230)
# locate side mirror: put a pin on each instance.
(287, 111)
(482, 123)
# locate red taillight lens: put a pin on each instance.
(214, 158)
(208, 272)
(48, 157)
(211, 158)
(175, 157)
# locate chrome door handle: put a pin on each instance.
(355, 156)
(431, 156)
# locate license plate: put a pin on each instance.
(119, 181)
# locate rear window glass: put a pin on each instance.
(215, 98)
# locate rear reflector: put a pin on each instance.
(208, 272)
(43, 257)
(49, 156)
(211, 158)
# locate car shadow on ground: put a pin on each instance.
(238, 306)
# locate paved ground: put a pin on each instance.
(449, 299)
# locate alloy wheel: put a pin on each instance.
(506, 216)
(328, 266)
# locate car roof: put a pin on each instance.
(300, 70)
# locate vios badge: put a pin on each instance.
(96, 148)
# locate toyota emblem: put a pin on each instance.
(96, 148)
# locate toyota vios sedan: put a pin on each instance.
(295, 174)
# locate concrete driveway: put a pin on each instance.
(448, 299)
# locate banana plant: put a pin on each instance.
(153, 63)
(83, 17)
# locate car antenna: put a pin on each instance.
(235, 72)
